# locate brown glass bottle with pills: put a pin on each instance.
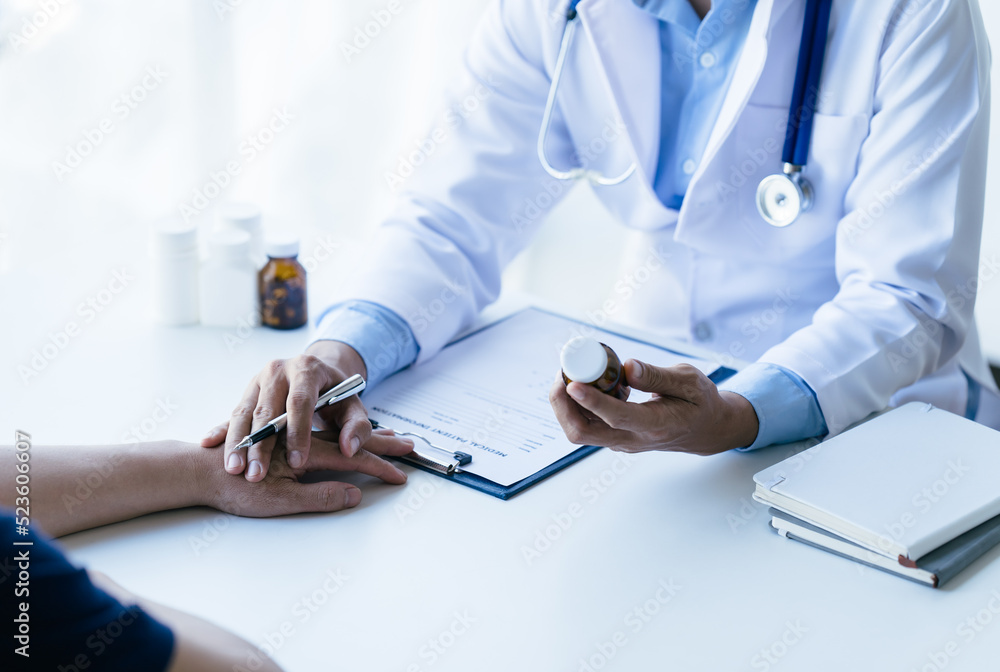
(585, 360)
(282, 285)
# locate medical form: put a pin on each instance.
(487, 394)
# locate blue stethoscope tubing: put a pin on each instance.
(812, 52)
(780, 198)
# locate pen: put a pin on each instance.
(348, 388)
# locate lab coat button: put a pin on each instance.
(707, 59)
(703, 331)
(689, 167)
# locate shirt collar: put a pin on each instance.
(682, 14)
(678, 12)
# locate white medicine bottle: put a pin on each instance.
(173, 252)
(236, 216)
(229, 281)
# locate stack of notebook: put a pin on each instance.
(915, 491)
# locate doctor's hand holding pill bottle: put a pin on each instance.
(687, 413)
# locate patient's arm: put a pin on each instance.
(74, 488)
(199, 645)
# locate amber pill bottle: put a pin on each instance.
(585, 360)
(282, 285)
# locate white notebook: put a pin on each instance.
(788, 526)
(901, 484)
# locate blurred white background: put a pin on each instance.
(223, 68)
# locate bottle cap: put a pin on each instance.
(281, 245)
(172, 235)
(583, 360)
(231, 245)
(242, 216)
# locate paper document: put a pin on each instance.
(487, 394)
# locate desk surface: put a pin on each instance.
(616, 563)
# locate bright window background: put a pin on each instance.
(229, 64)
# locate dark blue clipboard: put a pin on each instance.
(507, 491)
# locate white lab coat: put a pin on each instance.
(868, 297)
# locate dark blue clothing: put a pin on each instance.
(71, 624)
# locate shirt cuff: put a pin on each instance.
(382, 338)
(786, 407)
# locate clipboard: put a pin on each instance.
(417, 402)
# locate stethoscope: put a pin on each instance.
(781, 198)
(580, 172)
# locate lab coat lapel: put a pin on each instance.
(745, 78)
(627, 42)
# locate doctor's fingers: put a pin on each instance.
(307, 376)
(382, 442)
(239, 427)
(273, 383)
(215, 436)
(579, 428)
(616, 413)
(682, 381)
(259, 458)
(326, 456)
(352, 419)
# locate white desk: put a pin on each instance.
(415, 556)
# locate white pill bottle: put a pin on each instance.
(229, 281)
(173, 252)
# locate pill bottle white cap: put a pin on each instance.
(230, 245)
(243, 216)
(172, 235)
(281, 245)
(583, 360)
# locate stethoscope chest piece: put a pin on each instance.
(782, 198)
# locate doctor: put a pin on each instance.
(813, 177)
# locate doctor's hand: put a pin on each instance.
(281, 492)
(687, 413)
(295, 385)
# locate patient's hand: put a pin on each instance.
(281, 492)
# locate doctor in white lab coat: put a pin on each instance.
(868, 298)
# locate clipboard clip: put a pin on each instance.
(434, 457)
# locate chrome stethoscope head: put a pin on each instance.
(579, 172)
(782, 198)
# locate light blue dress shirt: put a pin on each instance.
(698, 57)
(382, 338)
